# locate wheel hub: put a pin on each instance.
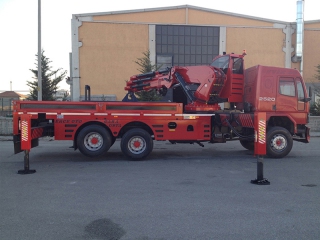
(93, 141)
(279, 142)
(137, 145)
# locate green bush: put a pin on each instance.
(315, 108)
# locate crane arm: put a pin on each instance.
(207, 80)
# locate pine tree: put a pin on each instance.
(50, 80)
(145, 67)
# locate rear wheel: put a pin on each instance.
(279, 142)
(136, 144)
(94, 140)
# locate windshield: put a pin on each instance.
(237, 65)
(222, 63)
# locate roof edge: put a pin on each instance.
(180, 7)
(312, 21)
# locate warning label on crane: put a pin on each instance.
(260, 133)
(25, 132)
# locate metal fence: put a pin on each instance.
(6, 126)
(6, 107)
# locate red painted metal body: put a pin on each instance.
(68, 117)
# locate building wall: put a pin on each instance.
(311, 50)
(263, 46)
(107, 55)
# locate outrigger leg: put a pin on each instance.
(260, 180)
(260, 146)
(26, 169)
(26, 141)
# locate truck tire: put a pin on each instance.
(94, 140)
(279, 142)
(136, 144)
(247, 144)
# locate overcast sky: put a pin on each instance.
(19, 27)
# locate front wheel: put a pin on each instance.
(136, 144)
(279, 142)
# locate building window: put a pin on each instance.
(164, 61)
(187, 45)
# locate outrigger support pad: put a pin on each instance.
(260, 180)
(26, 169)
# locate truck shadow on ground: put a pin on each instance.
(161, 151)
(158, 154)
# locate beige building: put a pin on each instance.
(106, 45)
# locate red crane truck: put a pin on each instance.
(193, 116)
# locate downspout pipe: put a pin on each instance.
(298, 57)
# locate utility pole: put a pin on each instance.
(39, 53)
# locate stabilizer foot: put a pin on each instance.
(260, 180)
(263, 181)
(26, 171)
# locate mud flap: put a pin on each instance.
(307, 135)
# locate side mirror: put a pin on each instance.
(307, 99)
(310, 92)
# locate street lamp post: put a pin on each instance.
(39, 53)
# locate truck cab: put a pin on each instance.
(232, 65)
(280, 92)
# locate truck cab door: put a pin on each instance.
(233, 67)
(236, 77)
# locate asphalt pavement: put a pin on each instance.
(181, 191)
